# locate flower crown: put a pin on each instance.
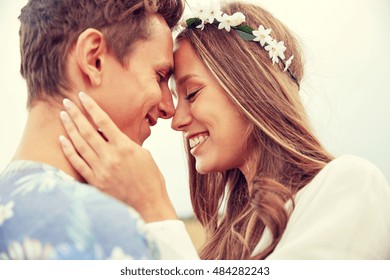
(212, 14)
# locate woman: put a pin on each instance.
(251, 147)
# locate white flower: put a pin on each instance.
(6, 211)
(226, 22)
(118, 254)
(276, 50)
(214, 11)
(201, 11)
(280, 49)
(262, 35)
(288, 63)
(237, 18)
(31, 249)
(271, 47)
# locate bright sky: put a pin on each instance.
(346, 88)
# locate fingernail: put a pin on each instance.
(63, 140)
(64, 116)
(67, 103)
(83, 97)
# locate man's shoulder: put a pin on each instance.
(28, 178)
(34, 180)
(39, 203)
(40, 187)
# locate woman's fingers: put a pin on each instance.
(85, 130)
(74, 158)
(79, 144)
(101, 119)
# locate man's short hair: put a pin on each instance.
(50, 28)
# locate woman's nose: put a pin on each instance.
(182, 117)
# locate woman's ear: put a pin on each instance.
(91, 50)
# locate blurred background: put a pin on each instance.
(345, 90)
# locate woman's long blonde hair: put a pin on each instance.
(281, 142)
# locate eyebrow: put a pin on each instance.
(185, 78)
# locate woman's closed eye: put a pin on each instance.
(191, 96)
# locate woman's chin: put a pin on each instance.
(204, 169)
(200, 168)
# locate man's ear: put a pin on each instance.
(91, 50)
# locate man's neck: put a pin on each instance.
(40, 139)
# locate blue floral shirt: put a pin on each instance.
(46, 214)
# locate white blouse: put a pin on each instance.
(343, 213)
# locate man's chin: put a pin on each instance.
(140, 141)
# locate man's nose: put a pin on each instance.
(166, 109)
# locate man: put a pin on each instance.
(120, 52)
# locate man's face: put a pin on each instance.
(137, 95)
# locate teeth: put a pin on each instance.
(147, 120)
(197, 140)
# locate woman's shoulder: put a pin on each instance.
(347, 175)
(336, 214)
(350, 169)
(352, 163)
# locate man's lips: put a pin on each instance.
(151, 120)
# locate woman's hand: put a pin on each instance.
(109, 160)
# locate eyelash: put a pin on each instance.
(161, 78)
(190, 96)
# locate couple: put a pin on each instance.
(249, 143)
